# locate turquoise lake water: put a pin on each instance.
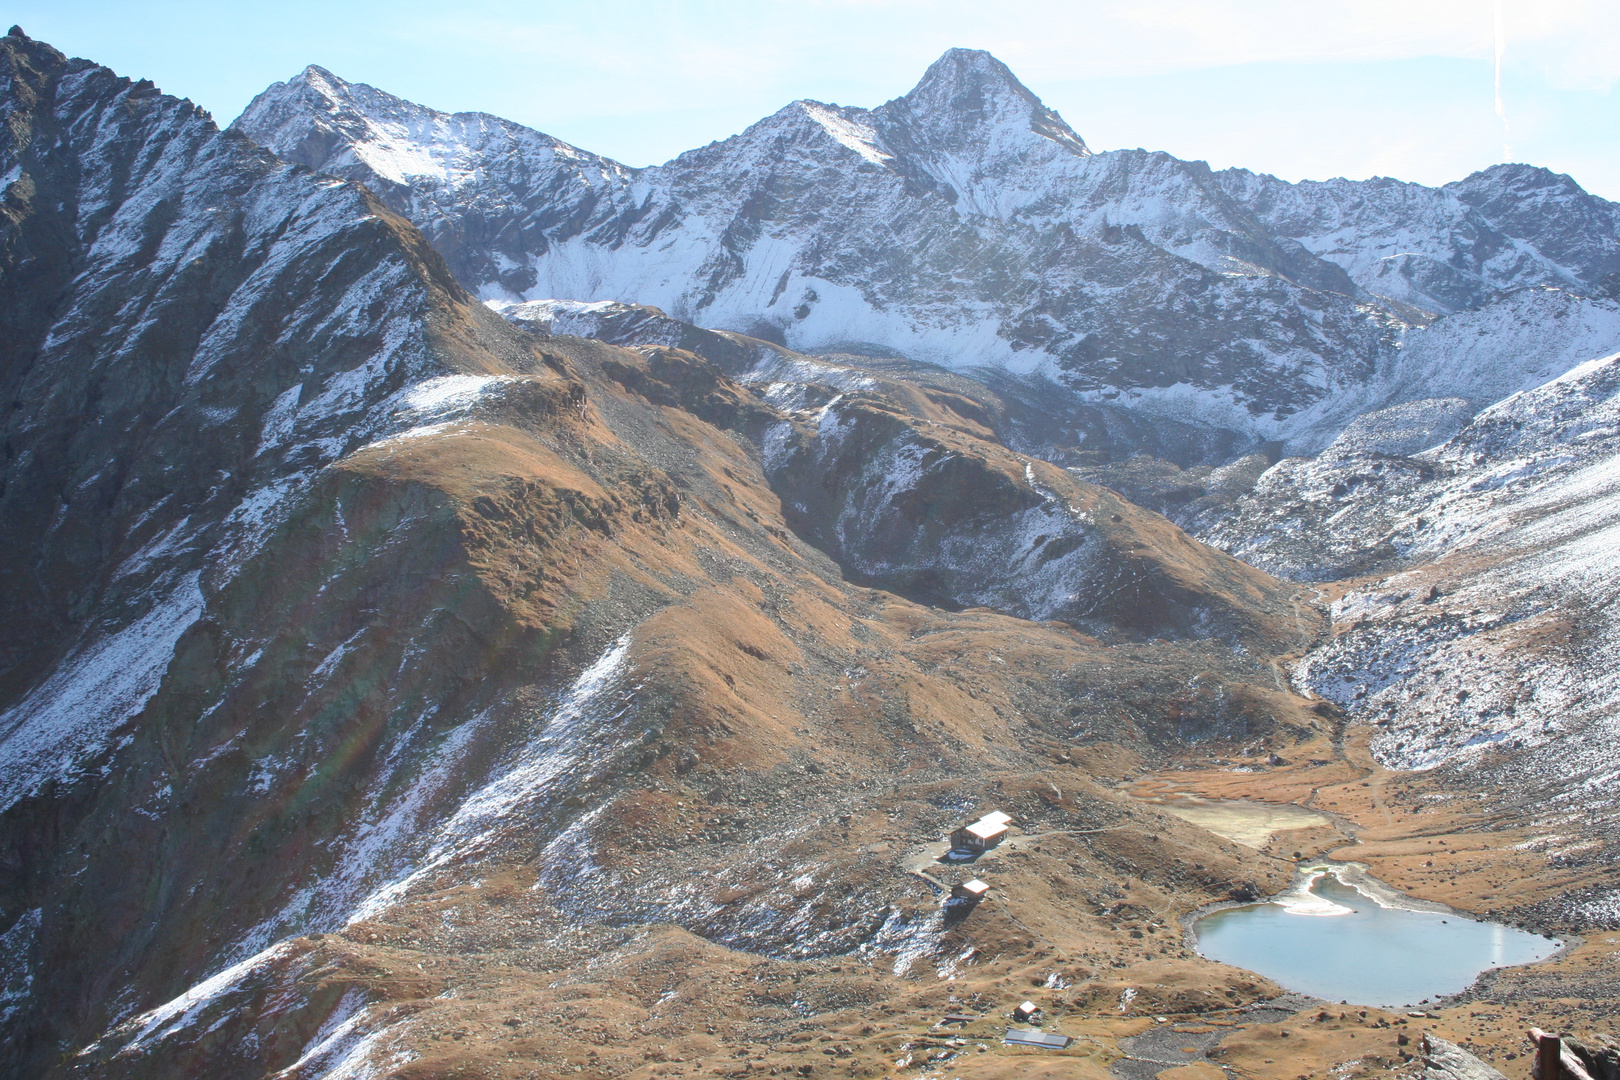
(1335, 942)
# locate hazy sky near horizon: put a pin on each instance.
(1405, 88)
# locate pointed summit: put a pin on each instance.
(969, 94)
(973, 69)
(320, 80)
(310, 118)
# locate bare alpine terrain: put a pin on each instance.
(478, 609)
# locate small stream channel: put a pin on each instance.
(1341, 935)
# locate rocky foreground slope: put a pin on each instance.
(336, 594)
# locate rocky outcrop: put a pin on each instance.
(1444, 1060)
(947, 519)
(639, 324)
(1484, 637)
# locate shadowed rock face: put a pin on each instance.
(949, 519)
(195, 332)
(168, 377)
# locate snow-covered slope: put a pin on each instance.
(1444, 249)
(1515, 343)
(1493, 625)
(963, 224)
(489, 193)
(967, 225)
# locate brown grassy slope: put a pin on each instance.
(789, 744)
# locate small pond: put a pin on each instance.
(1361, 942)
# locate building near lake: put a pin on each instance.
(982, 835)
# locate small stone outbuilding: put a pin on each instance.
(972, 891)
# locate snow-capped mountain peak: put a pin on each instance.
(1576, 231)
(472, 167)
(966, 224)
(967, 94)
(395, 139)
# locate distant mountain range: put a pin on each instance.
(967, 225)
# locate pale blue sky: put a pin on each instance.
(1298, 88)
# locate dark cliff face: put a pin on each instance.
(954, 520)
(195, 331)
(162, 360)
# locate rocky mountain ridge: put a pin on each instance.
(336, 590)
(974, 229)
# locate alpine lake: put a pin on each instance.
(1342, 943)
(1341, 935)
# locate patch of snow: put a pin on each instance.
(343, 1049)
(165, 544)
(849, 130)
(571, 736)
(72, 715)
(280, 418)
(383, 840)
(908, 937)
(18, 963)
(435, 400)
(182, 1012)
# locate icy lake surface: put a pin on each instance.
(1325, 938)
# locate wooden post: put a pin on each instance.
(1549, 1052)
(1554, 1060)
